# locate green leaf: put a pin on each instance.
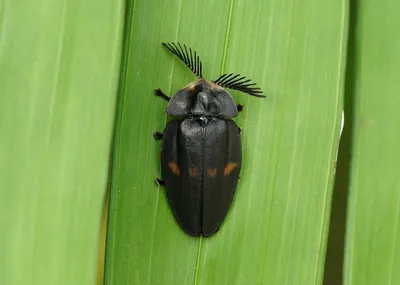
(59, 65)
(373, 228)
(275, 232)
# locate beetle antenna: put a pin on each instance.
(187, 57)
(232, 81)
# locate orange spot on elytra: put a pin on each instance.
(193, 172)
(174, 168)
(212, 172)
(229, 167)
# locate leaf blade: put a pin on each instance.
(166, 255)
(58, 91)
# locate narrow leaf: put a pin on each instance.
(59, 65)
(275, 232)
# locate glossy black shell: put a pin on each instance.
(201, 156)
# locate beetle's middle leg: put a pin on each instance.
(158, 135)
(158, 92)
(239, 107)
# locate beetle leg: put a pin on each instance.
(158, 92)
(160, 182)
(239, 107)
(240, 131)
(157, 135)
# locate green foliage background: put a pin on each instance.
(58, 83)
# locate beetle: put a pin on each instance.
(201, 153)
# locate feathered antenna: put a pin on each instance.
(235, 82)
(188, 57)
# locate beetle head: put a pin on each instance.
(202, 98)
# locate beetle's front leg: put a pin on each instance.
(239, 107)
(158, 135)
(158, 92)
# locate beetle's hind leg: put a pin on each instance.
(158, 135)
(159, 181)
(239, 107)
(158, 92)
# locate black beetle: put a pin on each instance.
(201, 153)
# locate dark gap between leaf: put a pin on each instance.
(333, 274)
